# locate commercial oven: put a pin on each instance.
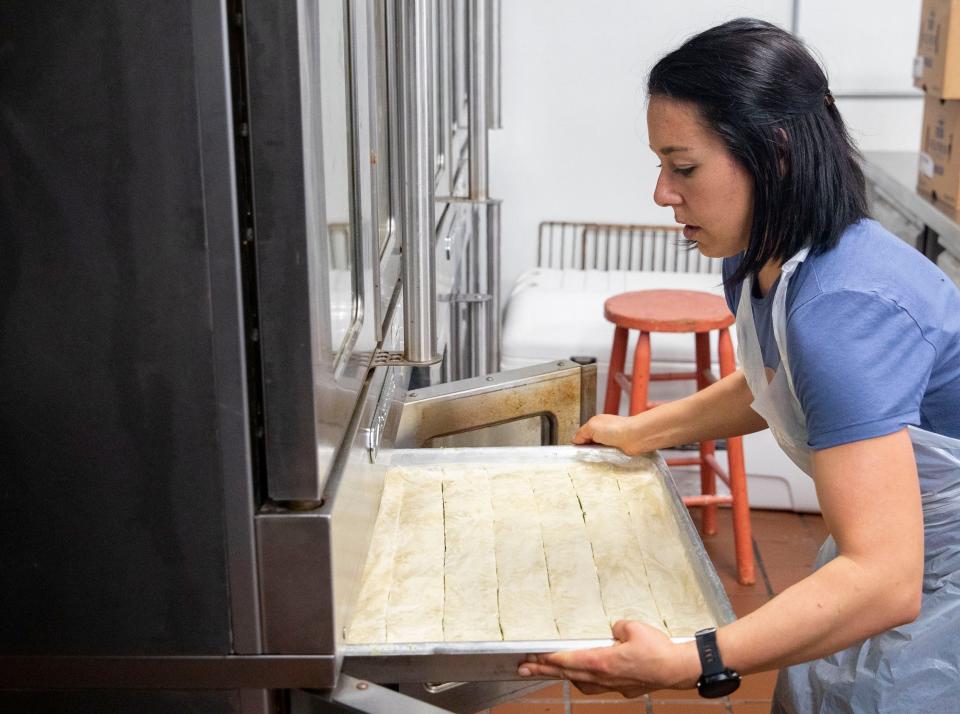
(248, 253)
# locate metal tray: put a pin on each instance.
(493, 661)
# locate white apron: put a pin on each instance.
(913, 668)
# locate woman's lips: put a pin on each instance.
(690, 232)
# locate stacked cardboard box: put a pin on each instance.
(936, 70)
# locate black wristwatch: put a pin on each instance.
(716, 680)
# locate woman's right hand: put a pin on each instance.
(611, 430)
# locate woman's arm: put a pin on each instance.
(720, 410)
(870, 497)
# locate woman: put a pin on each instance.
(849, 344)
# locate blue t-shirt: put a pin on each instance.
(873, 334)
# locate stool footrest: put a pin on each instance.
(667, 376)
(708, 460)
(684, 461)
(715, 466)
(706, 500)
(625, 381)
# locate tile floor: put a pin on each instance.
(785, 545)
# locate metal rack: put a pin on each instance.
(615, 246)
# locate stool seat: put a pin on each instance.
(668, 311)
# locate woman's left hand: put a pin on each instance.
(643, 660)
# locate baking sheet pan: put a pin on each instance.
(498, 660)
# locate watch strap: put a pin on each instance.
(710, 660)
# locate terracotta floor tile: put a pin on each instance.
(797, 551)
(816, 526)
(690, 707)
(609, 697)
(775, 520)
(744, 604)
(756, 686)
(726, 567)
(623, 707)
(522, 707)
(751, 707)
(554, 691)
(782, 578)
(673, 694)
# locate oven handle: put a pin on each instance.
(419, 268)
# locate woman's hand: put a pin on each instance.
(644, 660)
(611, 430)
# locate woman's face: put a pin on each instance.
(709, 192)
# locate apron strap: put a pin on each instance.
(780, 312)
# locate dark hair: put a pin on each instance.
(758, 87)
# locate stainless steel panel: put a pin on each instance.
(588, 390)
(119, 364)
(493, 332)
(311, 561)
(310, 379)
(494, 76)
(212, 63)
(494, 661)
(479, 49)
(450, 661)
(550, 390)
(357, 695)
(175, 672)
(364, 100)
(470, 697)
(143, 702)
(528, 431)
(419, 273)
(333, 182)
(296, 593)
(384, 117)
(443, 93)
(460, 64)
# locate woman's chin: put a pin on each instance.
(708, 250)
(705, 251)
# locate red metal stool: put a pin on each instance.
(684, 311)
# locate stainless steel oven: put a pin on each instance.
(234, 232)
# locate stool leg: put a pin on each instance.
(641, 374)
(742, 536)
(708, 479)
(618, 357)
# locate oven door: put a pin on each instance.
(312, 231)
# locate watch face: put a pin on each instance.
(718, 685)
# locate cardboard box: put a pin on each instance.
(938, 175)
(936, 69)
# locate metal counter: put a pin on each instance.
(891, 181)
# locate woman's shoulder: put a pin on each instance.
(869, 260)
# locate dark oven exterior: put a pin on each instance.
(202, 214)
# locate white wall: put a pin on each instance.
(574, 143)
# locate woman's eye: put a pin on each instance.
(684, 170)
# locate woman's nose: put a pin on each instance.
(664, 194)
